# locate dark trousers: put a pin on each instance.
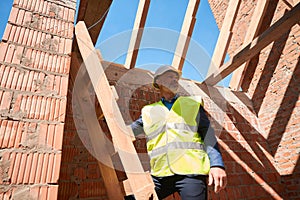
(188, 186)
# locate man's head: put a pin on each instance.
(166, 78)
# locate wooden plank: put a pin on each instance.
(280, 27)
(142, 187)
(98, 139)
(185, 34)
(252, 32)
(224, 37)
(137, 32)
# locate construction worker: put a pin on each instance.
(182, 146)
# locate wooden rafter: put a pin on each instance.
(284, 24)
(185, 34)
(140, 182)
(224, 36)
(252, 32)
(137, 32)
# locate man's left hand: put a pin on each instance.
(218, 177)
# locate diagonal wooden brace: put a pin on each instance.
(141, 183)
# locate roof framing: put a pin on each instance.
(254, 47)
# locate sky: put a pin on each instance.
(159, 40)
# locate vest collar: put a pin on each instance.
(163, 100)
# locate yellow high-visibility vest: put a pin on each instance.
(173, 143)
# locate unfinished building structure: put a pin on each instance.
(46, 155)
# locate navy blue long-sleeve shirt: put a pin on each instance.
(205, 131)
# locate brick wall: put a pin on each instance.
(249, 166)
(272, 82)
(34, 66)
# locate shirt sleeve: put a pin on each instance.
(210, 141)
(137, 126)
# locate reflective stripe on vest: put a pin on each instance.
(173, 143)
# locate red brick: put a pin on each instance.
(28, 6)
(64, 86)
(43, 129)
(13, 15)
(52, 192)
(2, 131)
(33, 169)
(29, 40)
(12, 160)
(43, 108)
(38, 108)
(18, 55)
(25, 80)
(61, 46)
(44, 168)
(29, 82)
(45, 63)
(12, 33)
(6, 101)
(13, 135)
(47, 109)
(45, 7)
(6, 33)
(22, 168)
(10, 53)
(59, 27)
(16, 2)
(15, 80)
(34, 82)
(50, 62)
(28, 105)
(20, 81)
(39, 168)
(62, 110)
(58, 139)
(20, 17)
(10, 77)
(5, 76)
(70, 30)
(68, 46)
(7, 134)
(50, 168)
(52, 109)
(65, 13)
(28, 168)
(19, 135)
(43, 192)
(17, 34)
(56, 168)
(39, 6)
(16, 168)
(71, 15)
(37, 56)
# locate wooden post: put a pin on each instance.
(224, 37)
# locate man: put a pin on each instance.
(182, 147)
